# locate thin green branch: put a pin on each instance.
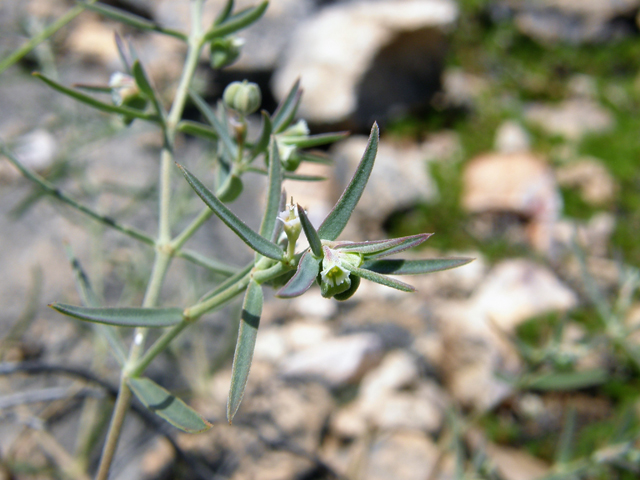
(52, 190)
(18, 54)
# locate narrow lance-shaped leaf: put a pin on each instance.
(564, 451)
(315, 140)
(236, 22)
(167, 406)
(224, 13)
(123, 53)
(123, 317)
(273, 193)
(197, 130)
(379, 248)
(337, 219)
(133, 20)
(97, 104)
(55, 192)
(90, 299)
(310, 233)
(565, 381)
(251, 238)
(287, 108)
(263, 140)
(381, 279)
(141, 79)
(217, 125)
(414, 267)
(306, 274)
(247, 333)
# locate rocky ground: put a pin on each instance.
(509, 129)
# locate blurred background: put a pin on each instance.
(510, 129)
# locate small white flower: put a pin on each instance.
(123, 86)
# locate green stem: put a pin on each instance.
(163, 255)
(42, 36)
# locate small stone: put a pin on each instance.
(158, 458)
(397, 370)
(353, 59)
(516, 290)
(304, 334)
(518, 183)
(591, 177)
(94, 40)
(572, 119)
(338, 362)
(271, 345)
(462, 89)
(313, 305)
(401, 456)
(511, 137)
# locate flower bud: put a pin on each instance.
(225, 51)
(292, 226)
(243, 97)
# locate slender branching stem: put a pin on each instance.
(163, 255)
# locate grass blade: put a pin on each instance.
(123, 317)
(247, 334)
(97, 104)
(308, 269)
(251, 238)
(337, 219)
(167, 406)
(414, 267)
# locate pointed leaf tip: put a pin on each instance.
(337, 219)
(124, 317)
(251, 238)
(167, 406)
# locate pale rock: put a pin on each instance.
(157, 458)
(392, 397)
(582, 85)
(359, 59)
(264, 40)
(474, 351)
(338, 362)
(591, 177)
(519, 183)
(36, 150)
(93, 39)
(510, 463)
(399, 179)
(271, 344)
(401, 456)
(417, 410)
(398, 369)
(516, 290)
(442, 146)
(572, 119)
(573, 21)
(594, 235)
(313, 305)
(456, 281)
(462, 89)
(511, 137)
(305, 334)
